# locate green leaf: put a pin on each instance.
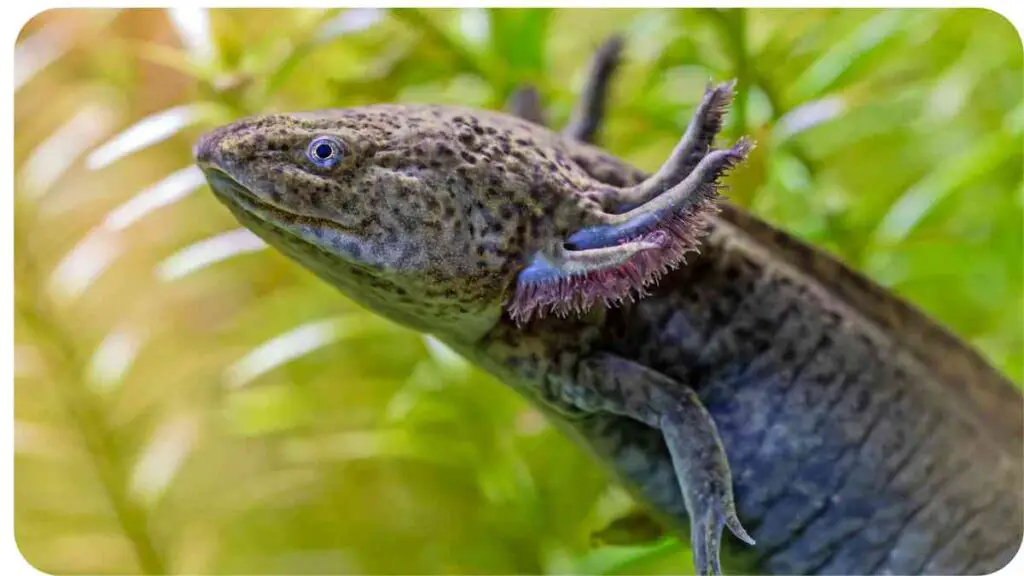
(518, 38)
(842, 59)
(920, 199)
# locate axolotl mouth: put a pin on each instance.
(325, 235)
(237, 195)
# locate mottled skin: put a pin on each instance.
(862, 438)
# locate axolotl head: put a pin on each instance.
(449, 220)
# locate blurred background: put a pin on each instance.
(188, 401)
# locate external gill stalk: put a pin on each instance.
(694, 145)
(588, 115)
(631, 248)
(570, 281)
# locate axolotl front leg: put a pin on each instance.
(606, 384)
(610, 384)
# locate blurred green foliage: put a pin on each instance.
(189, 402)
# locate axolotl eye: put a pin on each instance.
(325, 151)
